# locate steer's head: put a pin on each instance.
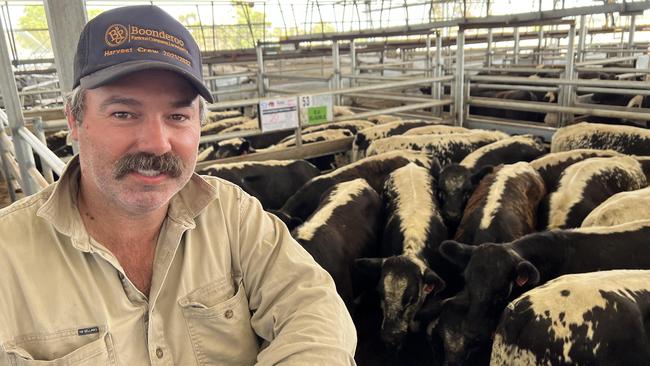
(455, 185)
(493, 272)
(403, 284)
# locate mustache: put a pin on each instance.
(167, 163)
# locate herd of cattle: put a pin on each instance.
(455, 246)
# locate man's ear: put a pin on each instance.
(73, 126)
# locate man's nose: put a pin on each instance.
(155, 136)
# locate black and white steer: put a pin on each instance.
(586, 184)
(458, 181)
(363, 138)
(413, 232)
(585, 135)
(598, 318)
(503, 207)
(374, 170)
(333, 242)
(271, 181)
(551, 166)
(447, 148)
(621, 208)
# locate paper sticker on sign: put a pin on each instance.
(315, 109)
(279, 114)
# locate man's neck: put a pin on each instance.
(116, 229)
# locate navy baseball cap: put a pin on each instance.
(133, 38)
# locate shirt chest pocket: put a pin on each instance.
(218, 322)
(94, 346)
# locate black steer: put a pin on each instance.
(270, 181)
(497, 273)
(328, 236)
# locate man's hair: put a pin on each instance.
(75, 103)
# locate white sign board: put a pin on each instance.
(315, 109)
(279, 114)
(642, 62)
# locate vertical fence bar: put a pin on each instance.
(488, 52)
(336, 70)
(353, 62)
(458, 87)
(582, 38)
(515, 57)
(261, 83)
(630, 41)
(40, 133)
(569, 70)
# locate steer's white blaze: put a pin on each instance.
(498, 188)
(205, 153)
(394, 288)
(577, 136)
(620, 208)
(557, 158)
(433, 144)
(244, 164)
(567, 299)
(324, 135)
(621, 228)
(435, 130)
(359, 124)
(410, 155)
(226, 122)
(574, 182)
(246, 125)
(415, 206)
(339, 196)
(470, 160)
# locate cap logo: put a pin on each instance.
(115, 35)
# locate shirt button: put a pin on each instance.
(121, 276)
(228, 314)
(159, 352)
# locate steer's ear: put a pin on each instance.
(435, 168)
(480, 174)
(369, 268)
(432, 282)
(245, 148)
(527, 274)
(457, 253)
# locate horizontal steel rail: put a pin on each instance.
(548, 107)
(42, 150)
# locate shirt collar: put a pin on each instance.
(61, 211)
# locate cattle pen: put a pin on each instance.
(492, 142)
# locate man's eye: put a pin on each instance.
(178, 117)
(123, 115)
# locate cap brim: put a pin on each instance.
(112, 73)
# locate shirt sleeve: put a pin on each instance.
(295, 306)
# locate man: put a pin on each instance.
(131, 258)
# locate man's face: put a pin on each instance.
(146, 116)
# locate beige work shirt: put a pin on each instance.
(229, 287)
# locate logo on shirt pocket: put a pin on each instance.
(62, 348)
